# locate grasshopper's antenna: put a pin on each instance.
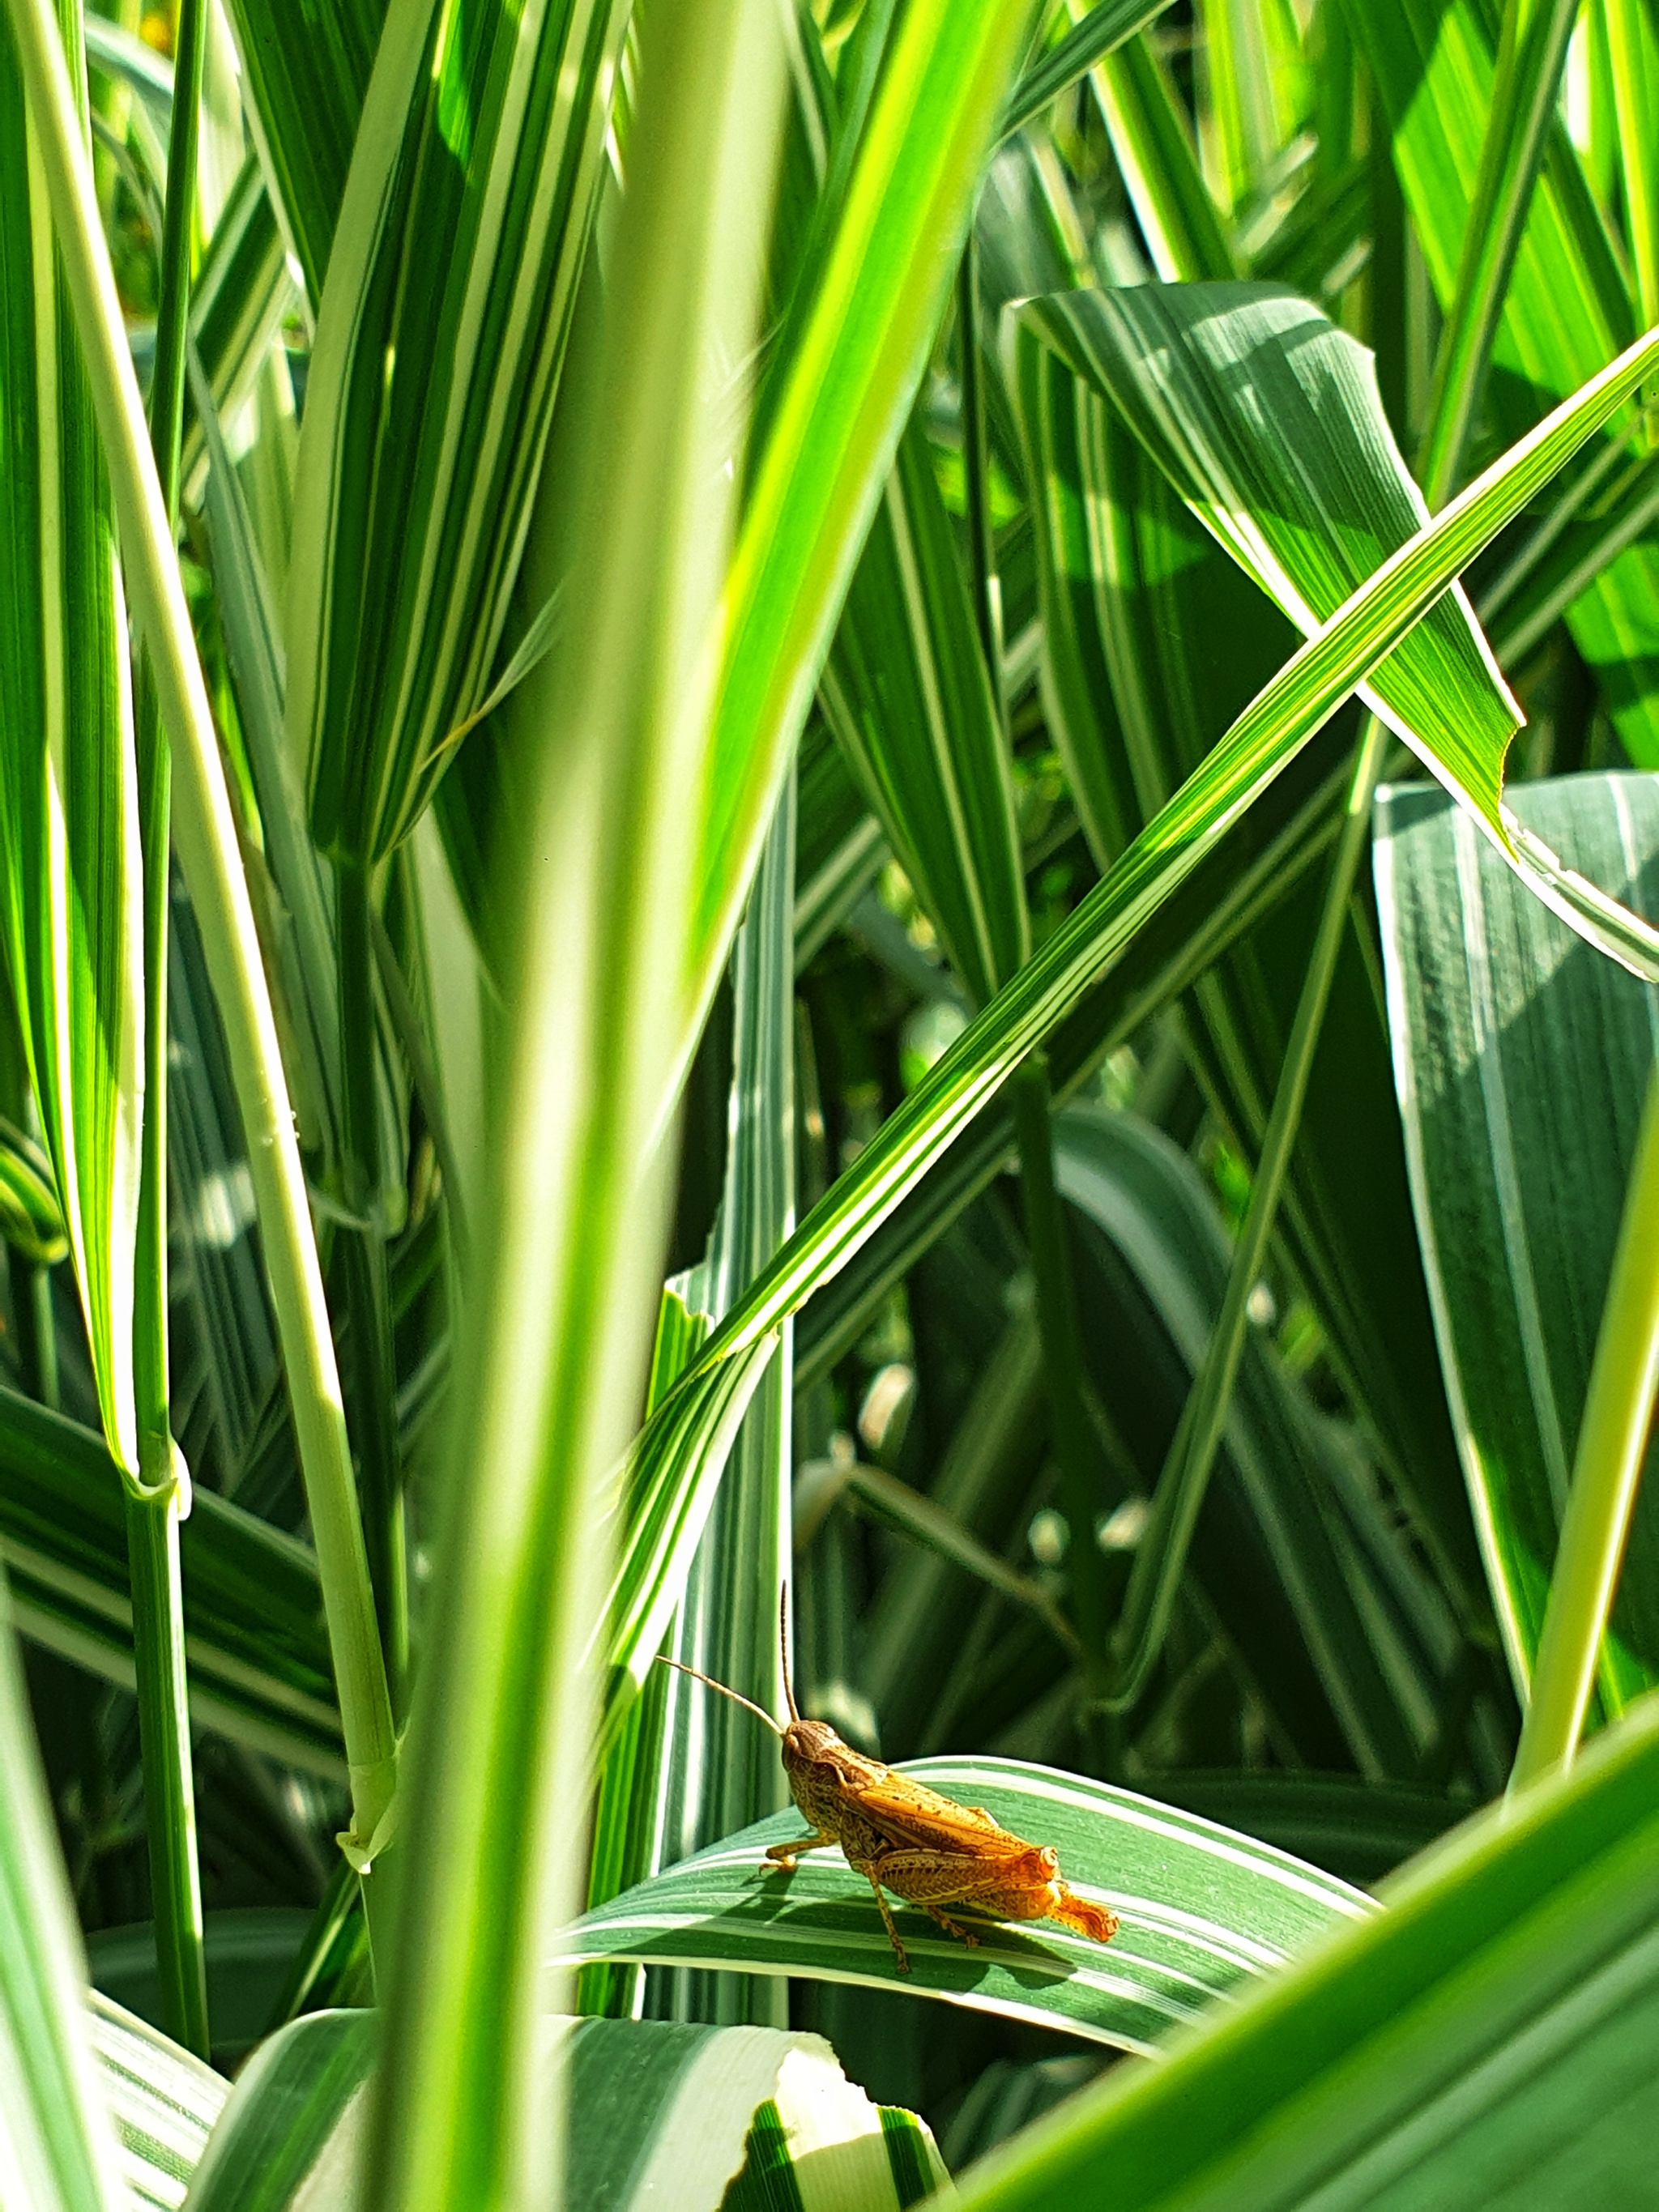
(783, 1645)
(759, 1712)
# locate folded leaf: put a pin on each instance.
(707, 2119)
(1267, 419)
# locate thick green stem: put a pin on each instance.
(372, 1380)
(1606, 1475)
(1161, 1558)
(164, 1744)
(1062, 1356)
(1530, 56)
(205, 839)
(152, 1520)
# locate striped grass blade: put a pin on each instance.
(1202, 1910)
(474, 179)
(70, 858)
(1520, 1062)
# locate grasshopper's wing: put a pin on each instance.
(911, 1816)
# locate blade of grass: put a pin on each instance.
(627, 1819)
(73, 905)
(441, 335)
(1608, 1464)
(1633, 52)
(500, 1782)
(720, 1771)
(208, 851)
(1108, 25)
(372, 1384)
(1532, 52)
(838, 419)
(1075, 1446)
(1181, 224)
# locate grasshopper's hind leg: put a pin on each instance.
(952, 1927)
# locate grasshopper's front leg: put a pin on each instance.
(784, 1855)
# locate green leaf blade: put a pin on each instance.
(73, 905)
(1202, 1910)
(1520, 1063)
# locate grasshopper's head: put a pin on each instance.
(810, 1743)
(808, 1739)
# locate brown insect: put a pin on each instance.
(901, 1836)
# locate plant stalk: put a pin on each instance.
(1606, 1474)
(1161, 1558)
(153, 1518)
(205, 838)
(371, 1381)
(158, 1637)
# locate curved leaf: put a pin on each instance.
(1520, 1062)
(1202, 1909)
(706, 2119)
(164, 2103)
(1266, 419)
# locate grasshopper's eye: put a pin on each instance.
(1049, 1860)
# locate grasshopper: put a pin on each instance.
(901, 1836)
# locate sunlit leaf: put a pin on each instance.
(1202, 1910)
(1520, 1062)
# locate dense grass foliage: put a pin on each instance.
(853, 803)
